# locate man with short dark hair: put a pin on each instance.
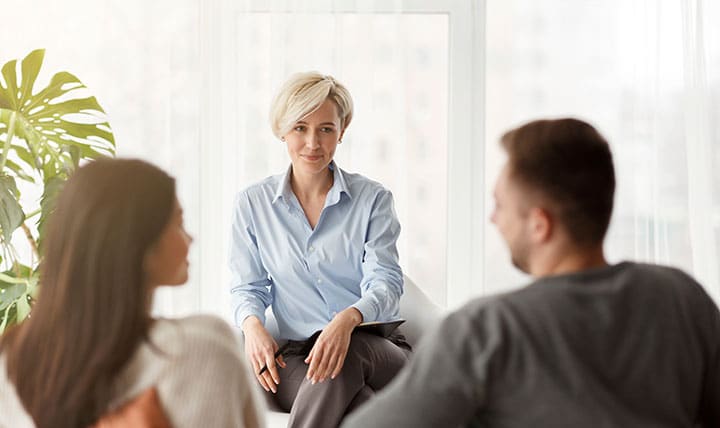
(587, 344)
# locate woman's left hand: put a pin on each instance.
(327, 356)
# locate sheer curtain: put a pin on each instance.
(187, 84)
(141, 60)
(394, 60)
(647, 73)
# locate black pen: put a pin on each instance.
(277, 354)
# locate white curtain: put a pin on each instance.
(187, 84)
(647, 74)
(395, 64)
(140, 60)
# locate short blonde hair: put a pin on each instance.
(302, 94)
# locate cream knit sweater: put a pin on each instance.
(201, 378)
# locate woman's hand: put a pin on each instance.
(260, 350)
(328, 354)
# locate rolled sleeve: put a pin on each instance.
(382, 281)
(249, 287)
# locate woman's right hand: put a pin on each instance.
(260, 348)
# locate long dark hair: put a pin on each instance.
(94, 304)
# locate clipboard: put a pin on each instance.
(381, 328)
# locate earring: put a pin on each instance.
(339, 141)
(282, 138)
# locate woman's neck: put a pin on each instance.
(311, 185)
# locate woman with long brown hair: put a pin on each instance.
(90, 345)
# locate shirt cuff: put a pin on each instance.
(242, 313)
(367, 308)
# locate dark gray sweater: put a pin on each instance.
(629, 345)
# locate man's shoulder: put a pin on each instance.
(620, 274)
(492, 308)
(657, 271)
(626, 281)
(661, 279)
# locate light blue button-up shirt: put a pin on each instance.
(349, 259)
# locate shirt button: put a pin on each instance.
(311, 249)
(319, 281)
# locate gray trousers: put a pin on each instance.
(371, 363)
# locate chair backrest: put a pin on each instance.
(420, 313)
(416, 308)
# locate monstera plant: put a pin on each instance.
(44, 135)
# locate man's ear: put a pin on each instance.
(541, 225)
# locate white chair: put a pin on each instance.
(415, 307)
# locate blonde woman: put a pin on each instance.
(318, 244)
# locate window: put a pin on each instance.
(398, 61)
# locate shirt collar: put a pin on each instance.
(284, 189)
(339, 185)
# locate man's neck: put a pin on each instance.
(570, 260)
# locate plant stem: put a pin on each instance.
(5, 318)
(33, 214)
(31, 240)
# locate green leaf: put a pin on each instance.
(19, 171)
(11, 213)
(25, 155)
(22, 307)
(21, 271)
(9, 293)
(5, 318)
(32, 285)
(16, 294)
(57, 116)
(18, 286)
(53, 186)
(30, 69)
(10, 280)
(9, 95)
(75, 155)
(51, 130)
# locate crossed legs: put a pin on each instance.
(371, 363)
